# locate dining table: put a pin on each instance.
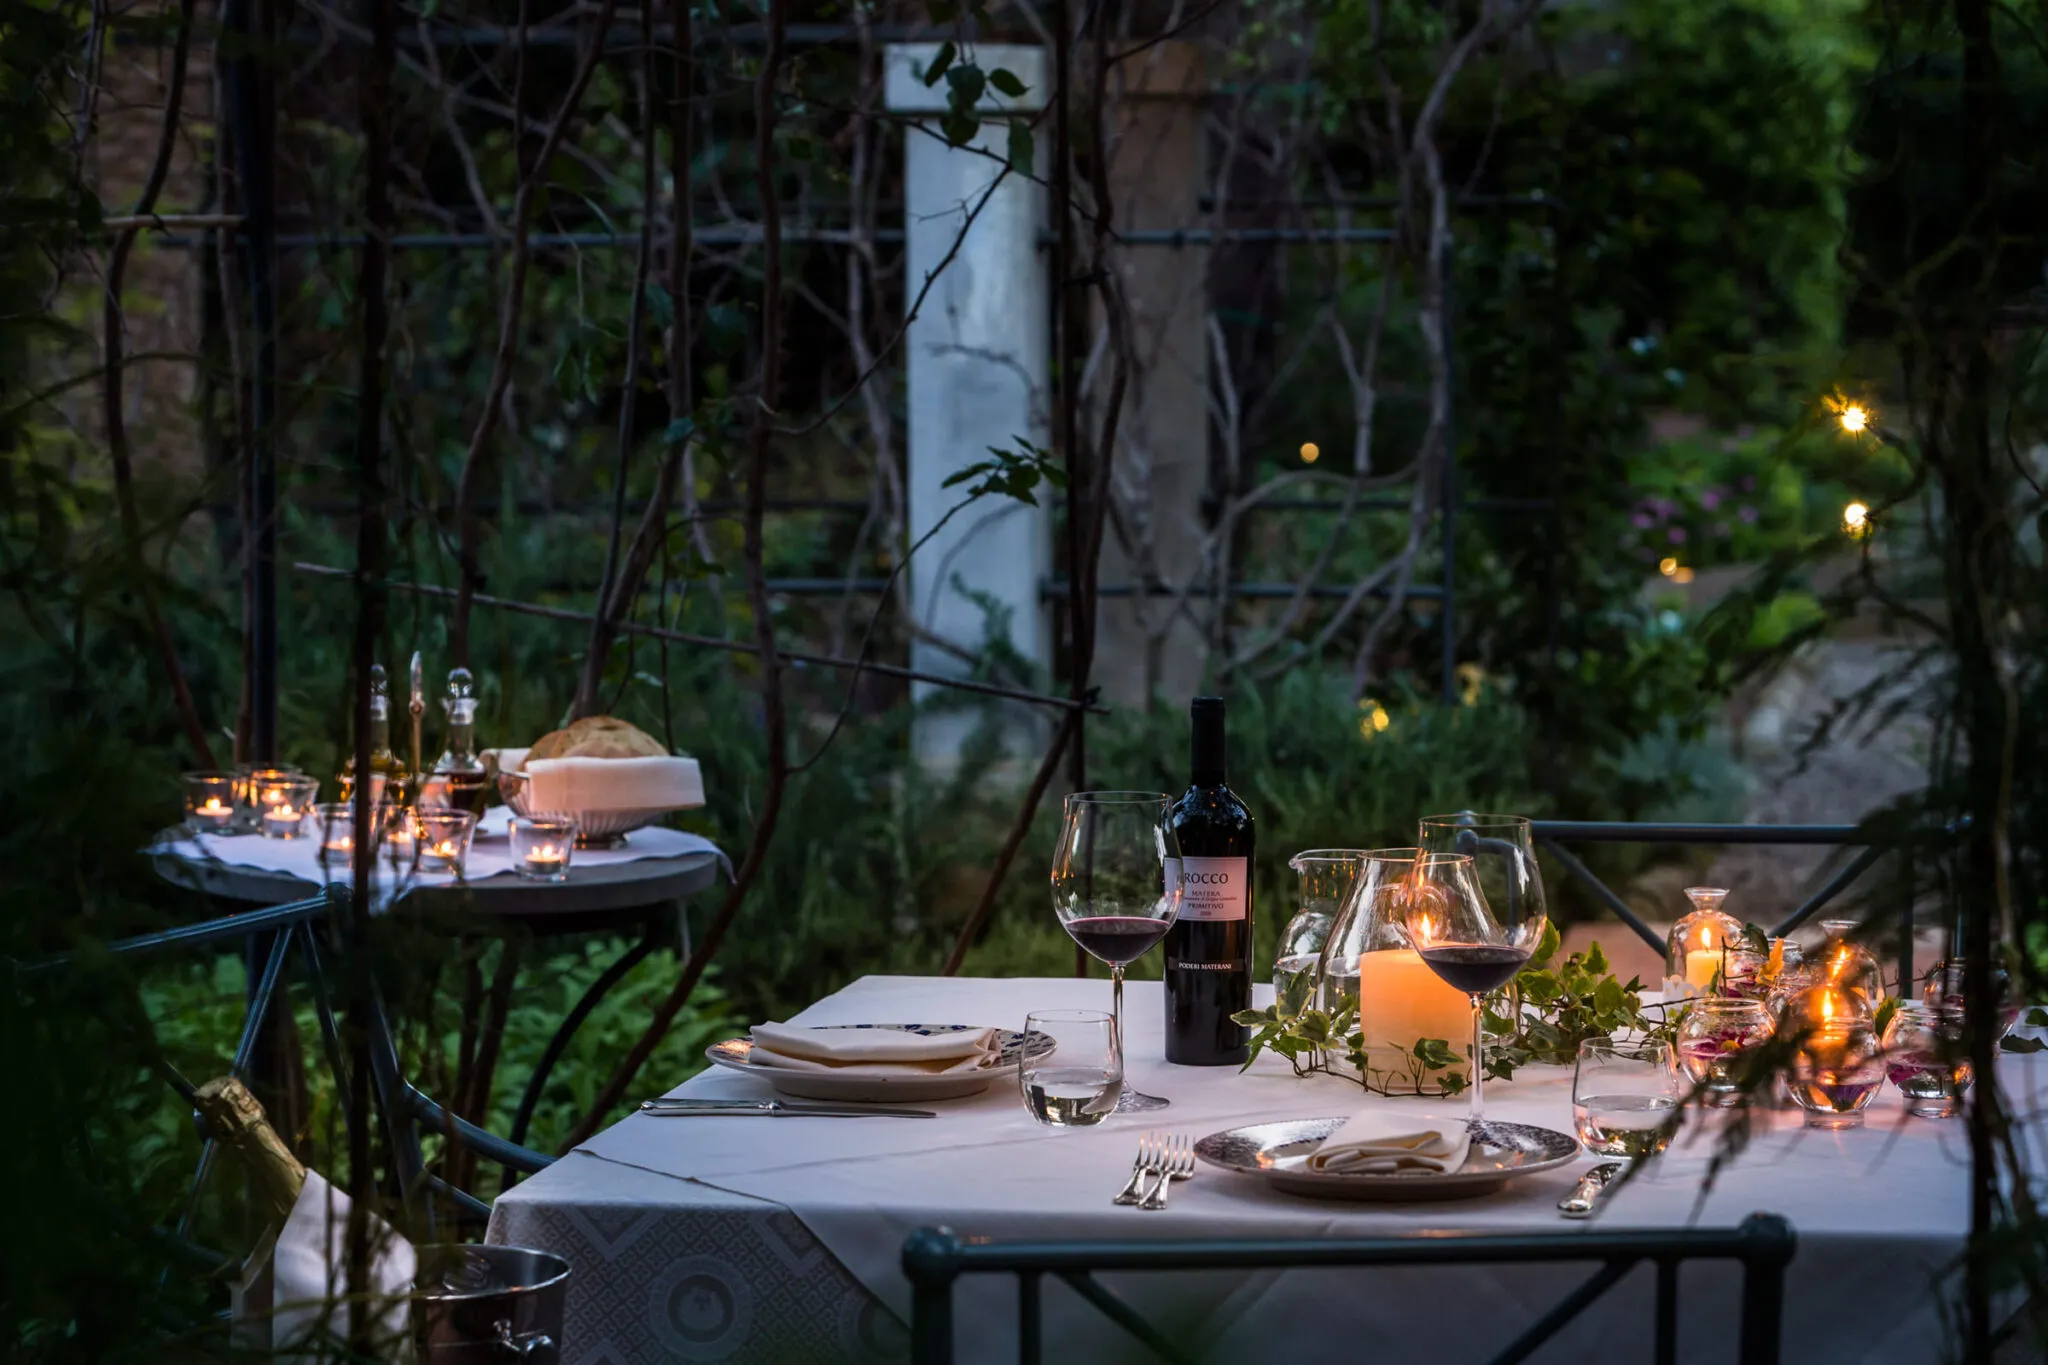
(779, 1239)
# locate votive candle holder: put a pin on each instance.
(210, 804)
(283, 802)
(542, 844)
(335, 825)
(443, 837)
(1715, 1036)
(252, 779)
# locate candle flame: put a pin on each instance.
(445, 849)
(1706, 936)
(213, 805)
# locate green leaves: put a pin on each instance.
(1011, 473)
(1006, 83)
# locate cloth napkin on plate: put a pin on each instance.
(1376, 1143)
(872, 1051)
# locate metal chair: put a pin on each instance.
(933, 1258)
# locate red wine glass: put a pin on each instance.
(1467, 943)
(1110, 890)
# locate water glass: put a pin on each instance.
(542, 844)
(210, 802)
(1075, 1082)
(1625, 1097)
(443, 837)
(1923, 1051)
(1714, 1038)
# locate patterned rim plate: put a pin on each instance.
(1274, 1152)
(825, 1085)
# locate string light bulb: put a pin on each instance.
(1856, 519)
(1310, 451)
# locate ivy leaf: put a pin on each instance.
(1005, 81)
(1595, 960)
(940, 61)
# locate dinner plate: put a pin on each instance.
(1278, 1154)
(825, 1085)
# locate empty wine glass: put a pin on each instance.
(1076, 1081)
(1503, 853)
(1110, 890)
(1468, 944)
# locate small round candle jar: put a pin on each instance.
(1715, 1036)
(334, 824)
(210, 804)
(1923, 1057)
(542, 844)
(282, 803)
(1853, 968)
(399, 835)
(1838, 1062)
(1695, 956)
(443, 837)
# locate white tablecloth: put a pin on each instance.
(760, 1239)
(490, 855)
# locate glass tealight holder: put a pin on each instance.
(1944, 987)
(210, 804)
(1695, 955)
(1838, 1063)
(400, 836)
(1714, 1038)
(1924, 1058)
(334, 825)
(443, 837)
(542, 844)
(283, 802)
(250, 781)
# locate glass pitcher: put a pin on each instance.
(1324, 879)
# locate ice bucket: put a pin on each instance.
(488, 1305)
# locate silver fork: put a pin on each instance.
(1151, 1150)
(1178, 1164)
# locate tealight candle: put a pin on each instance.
(444, 837)
(210, 805)
(542, 845)
(283, 805)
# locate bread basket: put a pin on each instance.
(596, 826)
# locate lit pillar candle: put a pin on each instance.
(1703, 963)
(1401, 1001)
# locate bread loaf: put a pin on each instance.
(597, 737)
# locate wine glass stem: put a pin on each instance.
(1116, 978)
(1478, 1065)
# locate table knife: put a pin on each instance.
(671, 1109)
(1585, 1196)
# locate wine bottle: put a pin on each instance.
(1209, 948)
(235, 1120)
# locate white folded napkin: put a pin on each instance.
(872, 1051)
(591, 784)
(1376, 1143)
(292, 1297)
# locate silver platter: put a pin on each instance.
(1275, 1152)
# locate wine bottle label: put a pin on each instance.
(1210, 888)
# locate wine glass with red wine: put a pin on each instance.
(1468, 943)
(1111, 891)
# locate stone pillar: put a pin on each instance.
(1157, 172)
(979, 372)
